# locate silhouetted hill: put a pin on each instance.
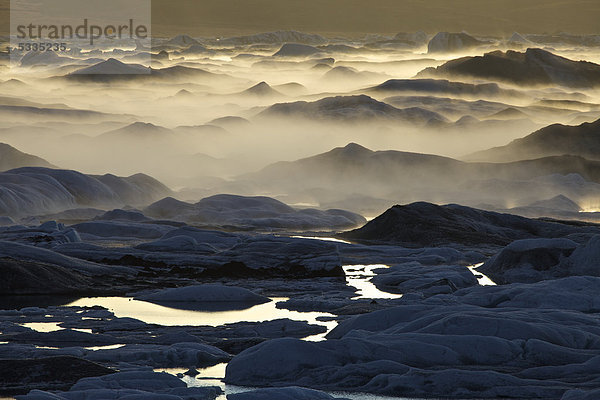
(112, 67)
(296, 50)
(114, 70)
(443, 86)
(533, 67)
(554, 140)
(12, 158)
(446, 42)
(353, 169)
(351, 108)
(426, 224)
(137, 130)
(262, 89)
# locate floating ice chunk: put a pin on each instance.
(24, 252)
(219, 240)
(133, 385)
(585, 260)
(205, 295)
(122, 215)
(130, 380)
(286, 393)
(579, 394)
(122, 229)
(449, 42)
(177, 243)
(296, 50)
(176, 355)
(528, 260)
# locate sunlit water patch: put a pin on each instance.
(481, 278)
(42, 326)
(156, 314)
(326, 239)
(50, 327)
(359, 276)
(107, 347)
(214, 375)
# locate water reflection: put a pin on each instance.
(359, 276)
(213, 376)
(325, 239)
(152, 313)
(50, 327)
(42, 326)
(481, 278)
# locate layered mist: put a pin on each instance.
(287, 215)
(208, 115)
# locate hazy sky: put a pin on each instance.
(357, 17)
(382, 16)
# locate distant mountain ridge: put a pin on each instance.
(276, 37)
(367, 166)
(358, 179)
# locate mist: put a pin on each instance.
(208, 116)
(293, 200)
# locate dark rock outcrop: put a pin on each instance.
(52, 373)
(426, 224)
(533, 67)
(20, 277)
(553, 140)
